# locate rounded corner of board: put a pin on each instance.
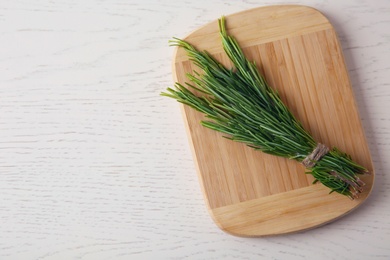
(289, 212)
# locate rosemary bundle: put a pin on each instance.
(239, 103)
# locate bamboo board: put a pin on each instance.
(249, 193)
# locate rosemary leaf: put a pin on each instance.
(239, 103)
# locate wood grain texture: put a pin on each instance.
(94, 164)
(297, 50)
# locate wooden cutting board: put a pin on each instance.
(249, 193)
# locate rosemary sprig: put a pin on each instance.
(239, 103)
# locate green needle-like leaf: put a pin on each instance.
(239, 103)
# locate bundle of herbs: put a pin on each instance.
(239, 103)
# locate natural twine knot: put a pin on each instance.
(311, 160)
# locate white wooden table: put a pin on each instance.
(94, 164)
